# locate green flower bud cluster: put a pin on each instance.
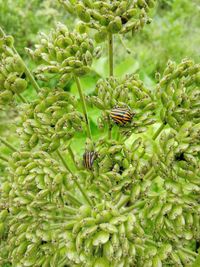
(179, 150)
(6, 42)
(176, 211)
(64, 53)
(129, 92)
(179, 93)
(120, 202)
(50, 120)
(12, 77)
(36, 187)
(115, 170)
(111, 17)
(50, 223)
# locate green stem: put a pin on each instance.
(111, 72)
(7, 144)
(22, 98)
(71, 154)
(109, 128)
(3, 158)
(155, 136)
(157, 133)
(75, 178)
(188, 251)
(149, 174)
(124, 45)
(132, 207)
(63, 161)
(110, 52)
(82, 97)
(27, 71)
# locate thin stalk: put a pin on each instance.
(3, 158)
(22, 98)
(132, 207)
(110, 52)
(111, 72)
(124, 45)
(192, 253)
(27, 71)
(63, 161)
(109, 128)
(6, 143)
(71, 154)
(155, 136)
(73, 199)
(75, 180)
(82, 97)
(118, 135)
(157, 133)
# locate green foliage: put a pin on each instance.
(23, 19)
(174, 34)
(106, 175)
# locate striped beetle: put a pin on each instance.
(121, 115)
(89, 158)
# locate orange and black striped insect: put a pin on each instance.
(121, 115)
(88, 159)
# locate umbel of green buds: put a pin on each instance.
(50, 120)
(179, 93)
(115, 201)
(12, 77)
(111, 17)
(175, 161)
(48, 214)
(6, 42)
(129, 93)
(64, 53)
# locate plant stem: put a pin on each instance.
(162, 126)
(71, 154)
(82, 97)
(63, 161)
(27, 71)
(109, 128)
(3, 158)
(7, 144)
(149, 174)
(111, 72)
(188, 251)
(22, 98)
(75, 180)
(110, 52)
(155, 136)
(124, 45)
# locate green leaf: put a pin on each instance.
(197, 262)
(129, 65)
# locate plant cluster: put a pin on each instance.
(132, 197)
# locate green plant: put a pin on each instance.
(132, 197)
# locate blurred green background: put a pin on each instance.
(174, 34)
